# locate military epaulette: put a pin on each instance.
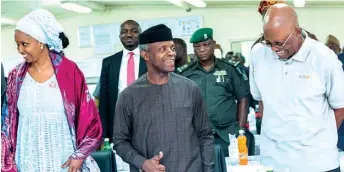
(236, 65)
(231, 62)
(242, 73)
(184, 67)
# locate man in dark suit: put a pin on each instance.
(119, 71)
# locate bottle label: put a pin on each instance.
(243, 156)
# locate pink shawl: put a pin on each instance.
(80, 109)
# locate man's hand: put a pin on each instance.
(74, 164)
(152, 165)
(261, 108)
(339, 115)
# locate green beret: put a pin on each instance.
(239, 55)
(201, 35)
(243, 58)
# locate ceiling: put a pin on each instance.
(9, 8)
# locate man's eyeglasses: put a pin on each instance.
(278, 44)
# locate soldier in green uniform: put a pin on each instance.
(224, 86)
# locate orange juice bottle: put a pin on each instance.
(243, 150)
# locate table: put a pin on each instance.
(254, 165)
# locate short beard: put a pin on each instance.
(130, 47)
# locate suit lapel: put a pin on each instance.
(117, 61)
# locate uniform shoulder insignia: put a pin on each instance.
(236, 66)
(231, 62)
(184, 67)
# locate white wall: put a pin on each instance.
(228, 24)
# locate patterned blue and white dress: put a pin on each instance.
(44, 140)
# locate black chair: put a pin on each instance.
(220, 161)
(106, 160)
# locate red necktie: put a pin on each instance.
(130, 69)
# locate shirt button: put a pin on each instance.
(285, 73)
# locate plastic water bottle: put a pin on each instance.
(243, 151)
(252, 120)
(269, 169)
(258, 119)
(233, 150)
(106, 145)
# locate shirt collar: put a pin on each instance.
(198, 65)
(302, 54)
(136, 52)
(218, 64)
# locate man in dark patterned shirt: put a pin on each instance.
(161, 123)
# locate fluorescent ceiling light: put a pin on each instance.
(197, 3)
(50, 2)
(178, 3)
(75, 7)
(299, 3)
(9, 21)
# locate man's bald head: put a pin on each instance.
(282, 31)
(280, 16)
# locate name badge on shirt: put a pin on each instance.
(220, 75)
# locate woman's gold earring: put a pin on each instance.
(41, 47)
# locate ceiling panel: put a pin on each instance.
(133, 2)
(10, 8)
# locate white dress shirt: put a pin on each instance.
(299, 129)
(122, 83)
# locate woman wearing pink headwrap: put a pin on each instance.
(51, 123)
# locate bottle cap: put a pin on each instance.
(241, 131)
(269, 169)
